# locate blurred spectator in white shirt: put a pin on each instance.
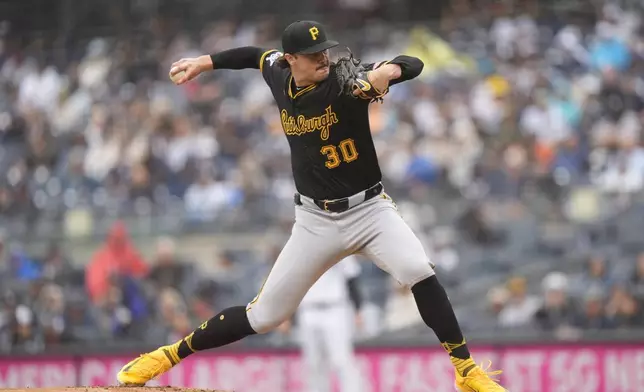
(623, 175)
(521, 308)
(40, 89)
(545, 121)
(503, 33)
(527, 36)
(487, 107)
(206, 198)
(185, 143)
(94, 68)
(556, 311)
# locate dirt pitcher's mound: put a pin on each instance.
(112, 389)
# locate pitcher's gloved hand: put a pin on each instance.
(354, 79)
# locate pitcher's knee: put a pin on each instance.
(264, 322)
(415, 272)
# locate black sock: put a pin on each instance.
(226, 327)
(437, 312)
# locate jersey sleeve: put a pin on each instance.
(237, 58)
(270, 68)
(410, 67)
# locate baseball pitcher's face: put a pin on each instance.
(311, 68)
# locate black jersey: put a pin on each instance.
(332, 150)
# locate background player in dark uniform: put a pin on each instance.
(341, 208)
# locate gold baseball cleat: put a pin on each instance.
(479, 380)
(149, 366)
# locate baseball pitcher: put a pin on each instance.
(341, 207)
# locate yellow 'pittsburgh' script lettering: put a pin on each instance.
(305, 125)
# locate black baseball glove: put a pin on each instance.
(354, 81)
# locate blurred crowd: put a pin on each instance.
(599, 298)
(118, 295)
(121, 297)
(506, 100)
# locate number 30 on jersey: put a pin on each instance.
(345, 151)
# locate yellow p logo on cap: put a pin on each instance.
(314, 33)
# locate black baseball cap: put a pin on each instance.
(306, 37)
